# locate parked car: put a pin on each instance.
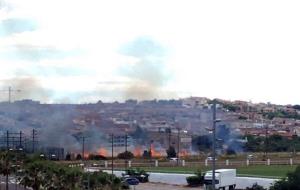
(173, 159)
(141, 175)
(250, 156)
(131, 181)
(210, 158)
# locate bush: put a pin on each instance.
(194, 181)
(171, 152)
(255, 187)
(126, 155)
(290, 182)
(97, 157)
(197, 180)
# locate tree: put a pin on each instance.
(146, 154)
(297, 107)
(202, 143)
(126, 155)
(171, 152)
(78, 157)
(68, 157)
(291, 182)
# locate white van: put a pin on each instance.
(225, 179)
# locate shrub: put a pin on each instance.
(171, 152)
(125, 155)
(255, 187)
(194, 181)
(290, 182)
(197, 180)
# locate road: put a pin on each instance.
(179, 180)
(161, 186)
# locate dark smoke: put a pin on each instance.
(231, 142)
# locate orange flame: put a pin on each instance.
(183, 153)
(86, 155)
(102, 152)
(137, 151)
(154, 153)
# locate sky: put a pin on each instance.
(66, 51)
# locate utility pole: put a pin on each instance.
(6, 162)
(112, 153)
(266, 141)
(20, 140)
(150, 150)
(178, 145)
(33, 139)
(214, 148)
(169, 137)
(10, 91)
(83, 146)
(126, 150)
(83, 141)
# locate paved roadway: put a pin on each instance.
(161, 186)
(180, 179)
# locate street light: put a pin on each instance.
(215, 121)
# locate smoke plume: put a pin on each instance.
(26, 88)
(147, 73)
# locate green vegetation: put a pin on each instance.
(265, 171)
(282, 114)
(290, 182)
(171, 152)
(196, 180)
(275, 143)
(37, 173)
(127, 155)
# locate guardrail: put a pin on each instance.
(183, 163)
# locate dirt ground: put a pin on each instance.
(161, 186)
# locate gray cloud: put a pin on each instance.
(16, 25)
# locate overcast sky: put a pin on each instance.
(85, 50)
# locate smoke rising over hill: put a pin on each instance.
(27, 88)
(147, 73)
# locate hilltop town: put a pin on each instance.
(147, 123)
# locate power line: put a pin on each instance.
(10, 91)
(11, 140)
(83, 146)
(34, 137)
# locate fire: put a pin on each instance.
(86, 155)
(137, 151)
(155, 153)
(102, 152)
(183, 153)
